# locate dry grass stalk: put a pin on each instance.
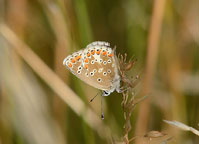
(152, 52)
(63, 44)
(54, 82)
(182, 126)
(128, 103)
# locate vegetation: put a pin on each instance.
(41, 102)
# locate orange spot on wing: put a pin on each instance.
(88, 54)
(104, 53)
(110, 55)
(77, 57)
(86, 60)
(70, 65)
(93, 52)
(73, 60)
(98, 52)
(85, 66)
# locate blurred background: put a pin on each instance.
(43, 103)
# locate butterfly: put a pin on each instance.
(97, 66)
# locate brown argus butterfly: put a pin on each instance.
(97, 66)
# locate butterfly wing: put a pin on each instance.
(96, 65)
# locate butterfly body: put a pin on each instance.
(97, 66)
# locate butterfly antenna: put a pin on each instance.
(102, 115)
(94, 97)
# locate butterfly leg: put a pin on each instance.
(123, 89)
